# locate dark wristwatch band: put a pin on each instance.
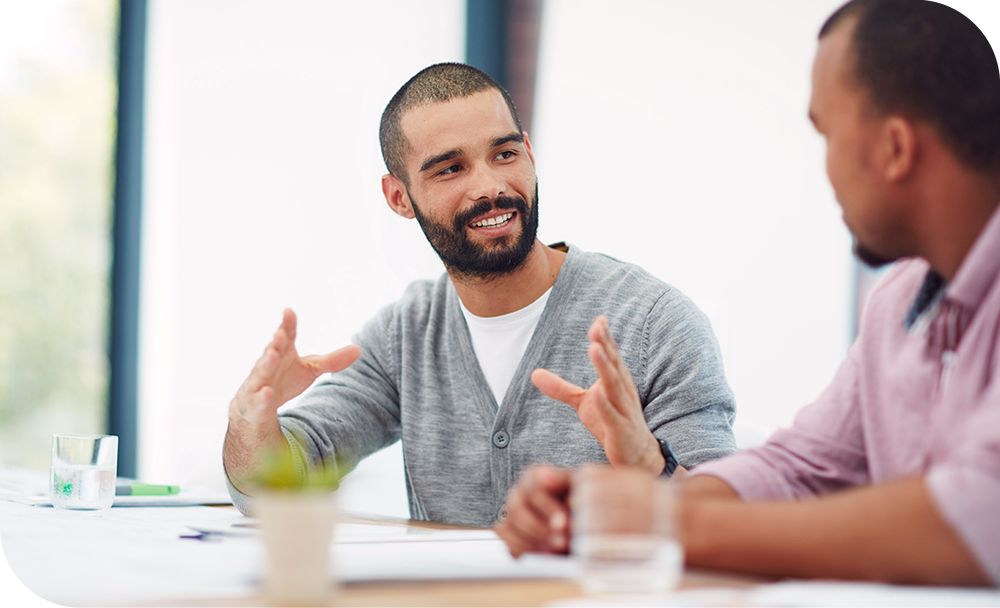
(668, 458)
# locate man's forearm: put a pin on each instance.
(890, 532)
(699, 487)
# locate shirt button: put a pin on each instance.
(501, 439)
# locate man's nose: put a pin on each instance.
(486, 184)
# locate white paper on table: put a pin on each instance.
(829, 593)
(370, 533)
(442, 561)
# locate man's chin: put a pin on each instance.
(495, 243)
(496, 250)
(870, 258)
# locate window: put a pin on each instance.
(57, 126)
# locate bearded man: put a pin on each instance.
(472, 371)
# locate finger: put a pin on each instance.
(264, 370)
(284, 335)
(610, 379)
(532, 505)
(270, 361)
(554, 502)
(557, 388)
(552, 513)
(289, 323)
(552, 485)
(554, 479)
(287, 354)
(335, 361)
(613, 354)
(524, 521)
(595, 331)
(281, 340)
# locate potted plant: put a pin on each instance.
(296, 510)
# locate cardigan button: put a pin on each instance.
(501, 439)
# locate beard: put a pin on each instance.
(474, 261)
(869, 258)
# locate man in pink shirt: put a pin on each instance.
(894, 472)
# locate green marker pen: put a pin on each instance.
(131, 488)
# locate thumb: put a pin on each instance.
(555, 479)
(339, 359)
(557, 388)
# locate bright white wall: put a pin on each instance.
(674, 135)
(670, 134)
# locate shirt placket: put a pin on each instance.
(944, 335)
(948, 328)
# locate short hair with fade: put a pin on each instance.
(435, 84)
(928, 61)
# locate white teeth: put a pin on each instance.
(494, 221)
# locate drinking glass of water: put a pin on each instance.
(83, 471)
(624, 532)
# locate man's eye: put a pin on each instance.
(506, 155)
(449, 170)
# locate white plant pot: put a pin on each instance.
(297, 529)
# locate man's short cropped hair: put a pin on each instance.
(435, 84)
(929, 62)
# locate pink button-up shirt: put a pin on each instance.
(918, 395)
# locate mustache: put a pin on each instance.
(501, 202)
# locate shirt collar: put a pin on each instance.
(978, 272)
(927, 298)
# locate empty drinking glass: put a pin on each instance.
(624, 532)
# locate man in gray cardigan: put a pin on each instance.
(446, 368)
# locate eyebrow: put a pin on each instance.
(439, 158)
(506, 139)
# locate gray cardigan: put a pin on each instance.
(418, 380)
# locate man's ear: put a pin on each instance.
(900, 148)
(527, 147)
(396, 196)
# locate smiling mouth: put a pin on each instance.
(496, 221)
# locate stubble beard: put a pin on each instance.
(472, 261)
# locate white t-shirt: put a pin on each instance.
(500, 341)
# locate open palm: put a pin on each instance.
(281, 374)
(610, 408)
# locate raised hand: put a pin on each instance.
(610, 408)
(280, 374)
